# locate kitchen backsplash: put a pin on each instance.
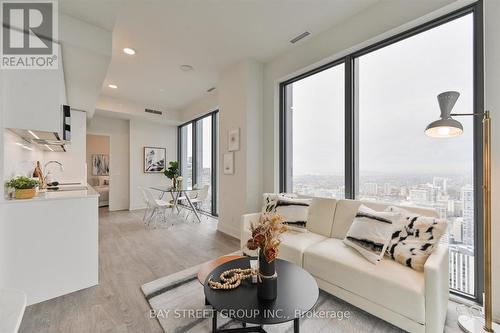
(20, 156)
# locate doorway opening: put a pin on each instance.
(98, 166)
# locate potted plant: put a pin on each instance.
(172, 173)
(25, 187)
(266, 238)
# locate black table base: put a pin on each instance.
(245, 329)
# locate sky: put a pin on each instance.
(398, 88)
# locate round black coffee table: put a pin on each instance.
(297, 294)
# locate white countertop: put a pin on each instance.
(56, 195)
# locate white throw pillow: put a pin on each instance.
(371, 232)
(416, 240)
(293, 210)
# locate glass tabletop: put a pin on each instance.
(171, 189)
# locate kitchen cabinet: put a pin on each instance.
(33, 98)
(51, 244)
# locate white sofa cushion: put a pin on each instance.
(321, 213)
(389, 284)
(344, 215)
(293, 244)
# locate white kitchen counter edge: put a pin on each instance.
(62, 195)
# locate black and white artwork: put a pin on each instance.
(100, 165)
(154, 159)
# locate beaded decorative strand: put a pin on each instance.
(231, 279)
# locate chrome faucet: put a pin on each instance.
(61, 168)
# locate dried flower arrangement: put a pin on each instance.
(266, 236)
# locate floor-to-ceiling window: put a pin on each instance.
(197, 156)
(360, 134)
(315, 162)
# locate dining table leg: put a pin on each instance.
(175, 198)
(192, 207)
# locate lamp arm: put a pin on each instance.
(469, 114)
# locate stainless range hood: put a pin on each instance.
(49, 141)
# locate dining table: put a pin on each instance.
(179, 193)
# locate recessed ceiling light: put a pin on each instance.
(162, 90)
(129, 51)
(186, 68)
(113, 86)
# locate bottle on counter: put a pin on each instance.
(37, 173)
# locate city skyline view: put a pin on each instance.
(451, 197)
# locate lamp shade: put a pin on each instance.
(446, 127)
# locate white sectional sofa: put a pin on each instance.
(414, 301)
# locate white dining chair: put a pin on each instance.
(199, 197)
(144, 200)
(155, 206)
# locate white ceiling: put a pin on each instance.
(207, 34)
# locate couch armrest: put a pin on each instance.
(246, 222)
(436, 273)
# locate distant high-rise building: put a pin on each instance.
(419, 196)
(461, 269)
(457, 230)
(442, 210)
(440, 183)
(370, 188)
(467, 196)
(387, 188)
(455, 208)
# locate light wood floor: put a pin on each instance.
(130, 255)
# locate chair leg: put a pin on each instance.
(149, 216)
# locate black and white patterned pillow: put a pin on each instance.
(271, 199)
(293, 210)
(371, 231)
(416, 240)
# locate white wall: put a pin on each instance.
(204, 105)
(492, 103)
(148, 134)
(240, 106)
(118, 132)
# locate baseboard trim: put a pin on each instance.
(227, 231)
